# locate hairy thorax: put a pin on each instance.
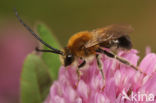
(77, 44)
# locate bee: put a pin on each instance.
(86, 43)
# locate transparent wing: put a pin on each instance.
(107, 33)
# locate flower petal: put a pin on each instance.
(83, 89)
(148, 64)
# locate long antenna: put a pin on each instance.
(35, 35)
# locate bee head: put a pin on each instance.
(68, 57)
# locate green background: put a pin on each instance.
(66, 17)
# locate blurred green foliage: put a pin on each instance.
(38, 72)
(32, 76)
(51, 60)
(65, 17)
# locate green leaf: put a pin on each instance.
(52, 60)
(35, 80)
(39, 72)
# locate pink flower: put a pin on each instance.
(120, 81)
(15, 45)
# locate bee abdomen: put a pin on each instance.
(125, 42)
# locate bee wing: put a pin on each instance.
(107, 33)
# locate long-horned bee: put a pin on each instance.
(86, 43)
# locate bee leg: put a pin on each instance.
(99, 65)
(101, 70)
(82, 64)
(120, 59)
(78, 71)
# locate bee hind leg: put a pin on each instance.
(120, 59)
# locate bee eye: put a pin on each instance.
(69, 56)
(69, 59)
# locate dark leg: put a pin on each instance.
(99, 66)
(122, 60)
(82, 64)
(78, 71)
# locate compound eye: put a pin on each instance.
(69, 56)
(69, 59)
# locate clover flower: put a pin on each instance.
(122, 83)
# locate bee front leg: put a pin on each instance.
(78, 71)
(82, 64)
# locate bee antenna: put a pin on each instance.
(35, 35)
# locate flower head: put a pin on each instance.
(120, 80)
